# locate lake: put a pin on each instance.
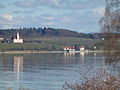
(45, 71)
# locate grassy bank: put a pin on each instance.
(49, 43)
(28, 46)
(64, 41)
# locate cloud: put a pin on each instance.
(49, 23)
(78, 15)
(48, 18)
(6, 21)
(2, 6)
(50, 3)
(79, 22)
(26, 21)
(23, 11)
(25, 4)
(7, 16)
(6, 26)
(60, 4)
(99, 11)
(66, 19)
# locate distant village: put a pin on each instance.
(76, 48)
(18, 39)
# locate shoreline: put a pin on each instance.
(29, 52)
(38, 52)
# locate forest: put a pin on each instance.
(33, 32)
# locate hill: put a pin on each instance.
(44, 32)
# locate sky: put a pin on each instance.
(77, 15)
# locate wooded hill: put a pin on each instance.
(45, 32)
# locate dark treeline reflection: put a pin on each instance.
(113, 60)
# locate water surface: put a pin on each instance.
(44, 71)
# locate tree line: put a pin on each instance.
(33, 32)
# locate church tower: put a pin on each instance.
(17, 39)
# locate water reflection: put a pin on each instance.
(94, 54)
(113, 60)
(43, 71)
(20, 87)
(69, 54)
(82, 55)
(11, 67)
(70, 57)
(18, 66)
(18, 63)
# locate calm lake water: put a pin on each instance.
(44, 71)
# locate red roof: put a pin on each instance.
(81, 46)
(67, 47)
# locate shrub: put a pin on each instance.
(101, 80)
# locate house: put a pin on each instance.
(17, 39)
(4, 40)
(1, 38)
(82, 48)
(68, 49)
(74, 48)
(94, 47)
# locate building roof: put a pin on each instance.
(67, 47)
(82, 47)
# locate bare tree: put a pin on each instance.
(110, 24)
(110, 27)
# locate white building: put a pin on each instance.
(69, 49)
(82, 48)
(1, 38)
(17, 39)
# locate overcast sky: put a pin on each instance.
(77, 15)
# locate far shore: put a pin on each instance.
(28, 52)
(37, 52)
